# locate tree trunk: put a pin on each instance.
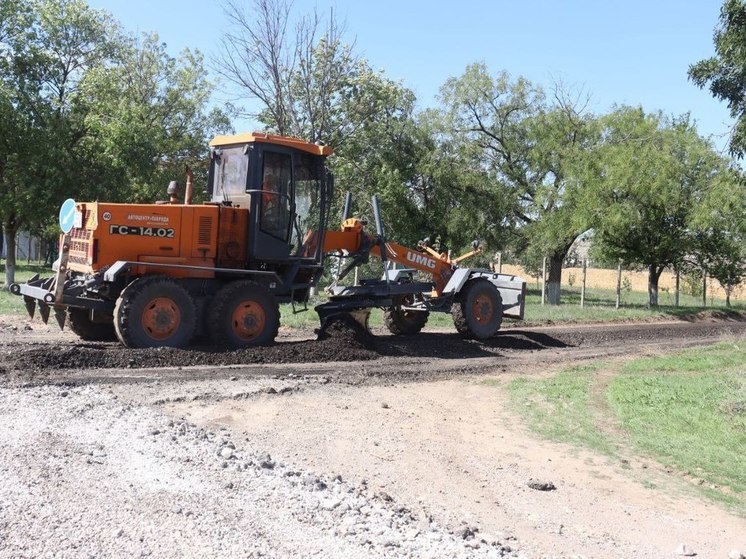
(9, 234)
(554, 278)
(654, 274)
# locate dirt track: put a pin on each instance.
(418, 424)
(40, 353)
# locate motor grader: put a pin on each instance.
(168, 273)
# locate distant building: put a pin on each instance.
(578, 252)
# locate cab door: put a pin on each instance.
(272, 203)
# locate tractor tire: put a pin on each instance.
(155, 311)
(79, 321)
(478, 311)
(243, 314)
(404, 322)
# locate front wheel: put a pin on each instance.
(243, 314)
(155, 311)
(478, 311)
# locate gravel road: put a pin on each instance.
(84, 474)
(117, 453)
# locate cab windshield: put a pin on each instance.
(231, 172)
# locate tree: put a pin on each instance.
(45, 49)
(299, 78)
(719, 231)
(148, 117)
(651, 173)
(310, 84)
(529, 146)
(725, 73)
(87, 112)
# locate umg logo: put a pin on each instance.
(420, 259)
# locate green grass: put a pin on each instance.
(12, 304)
(689, 410)
(686, 410)
(559, 407)
(714, 359)
(600, 307)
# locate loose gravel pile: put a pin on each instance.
(83, 474)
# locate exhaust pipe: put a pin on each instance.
(189, 189)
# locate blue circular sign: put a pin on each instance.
(67, 215)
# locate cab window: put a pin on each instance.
(276, 194)
(231, 171)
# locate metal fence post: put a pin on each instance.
(582, 289)
(619, 285)
(543, 280)
(704, 288)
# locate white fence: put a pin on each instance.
(28, 247)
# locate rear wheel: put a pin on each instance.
(478, 311)
(155, 311)
(80, 322)
(243, 314)
(404, 321)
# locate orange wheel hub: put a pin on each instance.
(161, 318)
(482, 309)
(249, 320)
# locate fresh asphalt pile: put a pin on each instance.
(84, 474)
(342, 341)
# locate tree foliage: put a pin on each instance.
(651, 175)
(46, 49)
(148, 119)
(719, 231)
(528, 145)
(725, 72)
(88, 112)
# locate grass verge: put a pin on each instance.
(559, 408)
(686, 410)
(11, 304)
(689, 411)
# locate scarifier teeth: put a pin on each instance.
(60, 316)
(44, 311)
(30, 306)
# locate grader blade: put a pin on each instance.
(362, 317)
(354, 320)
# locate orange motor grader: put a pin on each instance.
(164, 274)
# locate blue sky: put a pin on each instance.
(630, 52)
